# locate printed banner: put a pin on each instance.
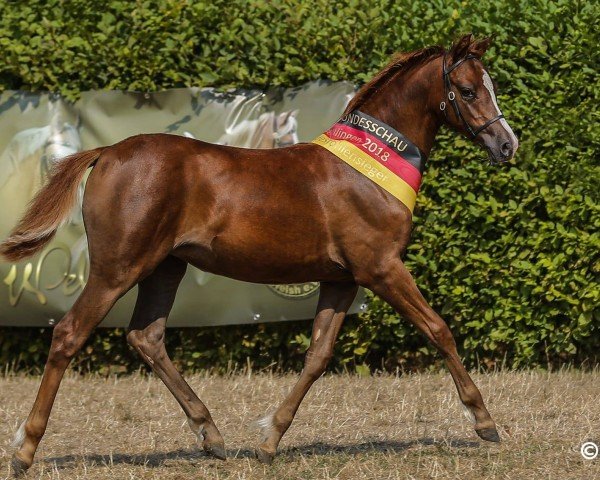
(377, 151)
(37, 130)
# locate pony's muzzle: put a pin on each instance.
(506, 150)
(501, 149)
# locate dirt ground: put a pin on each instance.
(349, 427)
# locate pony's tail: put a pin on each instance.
(49, 208)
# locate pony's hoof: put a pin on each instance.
(19, 467)
(489, 434)
(216, 450)
(263, 456)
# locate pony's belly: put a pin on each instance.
(268, 264)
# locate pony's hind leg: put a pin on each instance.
(147, 334)
(334, 301)
(68, 337)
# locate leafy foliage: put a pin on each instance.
(509, 255)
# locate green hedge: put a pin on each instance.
(508, 255)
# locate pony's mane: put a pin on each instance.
(400, 62)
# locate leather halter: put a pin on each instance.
(451, 96)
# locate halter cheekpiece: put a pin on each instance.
(451, 96)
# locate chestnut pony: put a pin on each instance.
(154, 203)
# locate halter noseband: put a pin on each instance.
(451, 96)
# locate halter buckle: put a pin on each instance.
(443, 106)
(451, 95)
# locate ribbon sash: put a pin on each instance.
(377, 151)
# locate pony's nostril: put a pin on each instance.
(506, 149)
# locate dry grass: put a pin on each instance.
(348, 428)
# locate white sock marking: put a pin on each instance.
(468, 414)
(266, 425)
(197, 429)
(19, 437)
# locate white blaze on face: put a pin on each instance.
(487, 83)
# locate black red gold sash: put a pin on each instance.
(377, 151)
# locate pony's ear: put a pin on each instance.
(479, 47)
(460, 49)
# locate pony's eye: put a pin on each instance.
(467, 93)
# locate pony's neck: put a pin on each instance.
(404, 103)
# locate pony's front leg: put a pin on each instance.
(393, 283)
(334, 301)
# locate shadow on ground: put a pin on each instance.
(158, 459)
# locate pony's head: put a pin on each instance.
(469, 102)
